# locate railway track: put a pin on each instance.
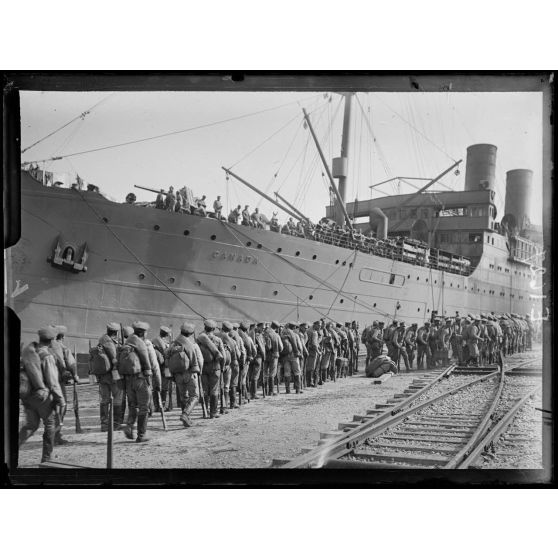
(440, 421)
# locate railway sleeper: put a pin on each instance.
(418, 448)
(453, 440)
(432, 433)
(417, 459)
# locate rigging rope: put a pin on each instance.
(80, 116)
(130, 251)
(167, 134)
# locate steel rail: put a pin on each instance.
(494, 434)
(345, 443)
(311, 456)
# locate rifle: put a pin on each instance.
(202, 397)
(76, 402)
(171, 379)
(161, 409)
(240, 370)
(109, 432)
(221, 394)
(124, 389)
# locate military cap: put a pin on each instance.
(275, 323)
(375, 323)
(144, 326)
(426, 324)
(265, 324)
(235, 325)
(477, 318)
(401, 324)
(47, 332)
(187, 327)
(381, 323)
(127, 330)
(226, 326)
(414, 325)
(294, 324)
(165, 329)
(317, 322)
(304, 324)
(210, 324)
(113, 326)
(448, 320)
(244, 325)
(483, 315)
(347, 324)
(59, 328)
(484, 320)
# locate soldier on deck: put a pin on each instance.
(246, 216)
(213, 358)
(39, 390)
(67, 369)
(218, 207)
(170, 200)
(110, 382)
(160, 201)
(161, 344)
(137, 362)
(234, 215)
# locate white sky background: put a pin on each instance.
(437, 131)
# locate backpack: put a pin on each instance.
(129, 362)
(287, 347)
(179, 363)
(388, 334)
(24, 382)
(379, 366)
(100, 363)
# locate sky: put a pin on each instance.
(262, 138)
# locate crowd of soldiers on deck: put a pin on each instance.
(326, 230)
(471, 340)
(222, 367)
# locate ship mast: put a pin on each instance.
(340, 164)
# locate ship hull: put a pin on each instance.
(167, 268)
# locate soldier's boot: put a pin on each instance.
(213, 400)
(296, 383)
(129, 432)
(185, 417)
(117, 418)
(142, 429)
(156, 406)
(104, 417)
(245, 396)
(271, 389)
(232, 399)
(287, 385)
(164, 394)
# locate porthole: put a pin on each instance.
(374, 305)
(106, 260)
(156, 227)
(451, 284)
(336, 262)
(233, 288)
(105, 219)
(248, 243)
(198, 283)
(259, 245)
(279, 249)
(427, 279)
(213, 237)
(351, 264)
(314, 257)
(458, 286)
(344, 263)
(311, 297)
(408, 276)
(297, 253)
(418, 309)
(275, 293)
(141, 276)
(418, 278)
(341, 301)
(186, 232)
(435, 281)
(172, 280)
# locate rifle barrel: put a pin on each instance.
(148, 189)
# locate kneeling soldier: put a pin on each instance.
(185, 365)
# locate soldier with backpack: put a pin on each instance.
(161, 345)
(135, 363)
(104, 365)
(213, 358)
(184, 365)
(39, 390)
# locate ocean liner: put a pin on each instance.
(83, 260)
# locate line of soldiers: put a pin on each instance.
(474, 340)
(220, 367)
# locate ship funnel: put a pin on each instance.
(379, 217)
(481, 167)
(518, 195)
